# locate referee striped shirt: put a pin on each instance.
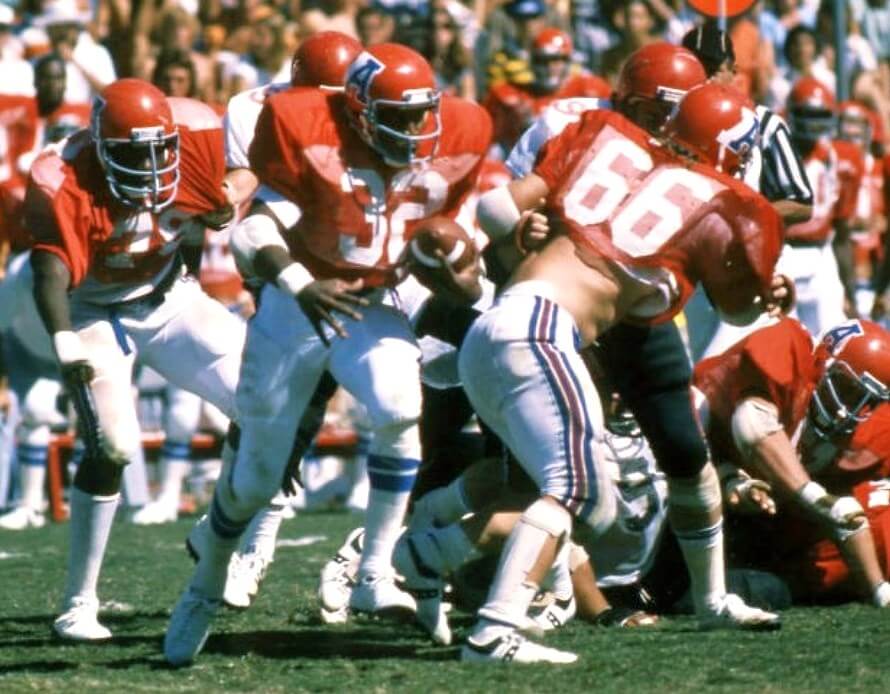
(781, 174)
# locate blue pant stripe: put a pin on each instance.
(176, 450)
(391, 483)
(384, 463)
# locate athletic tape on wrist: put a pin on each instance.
(68, 347)
(497, 213)
(293, 279)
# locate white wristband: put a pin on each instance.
(68, 347)
(497, 213)
(881, 596)
(293, 279)
(811, 493)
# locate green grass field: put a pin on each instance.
(279, 645)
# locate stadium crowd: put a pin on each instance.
(582, 304)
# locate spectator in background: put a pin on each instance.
(504, 47)
(174, 74)
(177, 31)
(436, 36)
(374, 25)
(88, 64)
(18, 77)
(591, 33)
(266, 59)
(331, 15)
(638, 25)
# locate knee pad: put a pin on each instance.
(700, 493)
(553, 519)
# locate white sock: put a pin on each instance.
(703, 552)
(391, 482)
(559, 578)
(443, 549)
(222, 539)
(173, 472)
(31, 480)
(445, 505)
(511, 592)
(91, 519)
(262, 532)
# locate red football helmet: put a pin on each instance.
(137, 143)
(856, 355)
(716, 124)
(854, 123)
(322, 60)
(653, 80)
(810, 110)
(551, 57)
(391, 92)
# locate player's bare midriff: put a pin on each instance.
(592, 292)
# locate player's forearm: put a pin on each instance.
(51, 281)
(792, 212)
(843, 253)
(775, 458)
(862, 560)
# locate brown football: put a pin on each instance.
(448, 236)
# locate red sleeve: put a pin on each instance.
(202, 167)
(56, 215)
(275, 151)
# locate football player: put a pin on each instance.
(513, 107)
(636, 227)
(346, 177)
(111, 211)
(816, 253)
(779, 410)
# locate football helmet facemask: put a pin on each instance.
(137, 144)
(856, 358)
(715, 123)
(394, 103)
(810, 110)
(653, 81)
(551, 57)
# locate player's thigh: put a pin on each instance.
(199, 347)
(379, 364)
(112, 386)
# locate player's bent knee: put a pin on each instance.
(699, 493)
(548, 515)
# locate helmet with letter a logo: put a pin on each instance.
(137, 143)
(551, 57)
(394, 103)
(811, 110)
(856, 378)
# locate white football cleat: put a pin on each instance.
(733, 613)
(425, 585)
(556, 613)
(22, 518)
(80, 621)
(156, 512)
(377, 594)
(513, 647)
(338, 578)
(245, 573)
(189, 627)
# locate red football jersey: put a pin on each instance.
(850, 175)
(70, 211)
(668, 221)
(514, 107)
(357, 213)
(776, 363)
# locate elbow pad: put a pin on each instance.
(250, 235)
(753, 420)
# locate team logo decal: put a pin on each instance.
(361, 74)
(837, 337)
